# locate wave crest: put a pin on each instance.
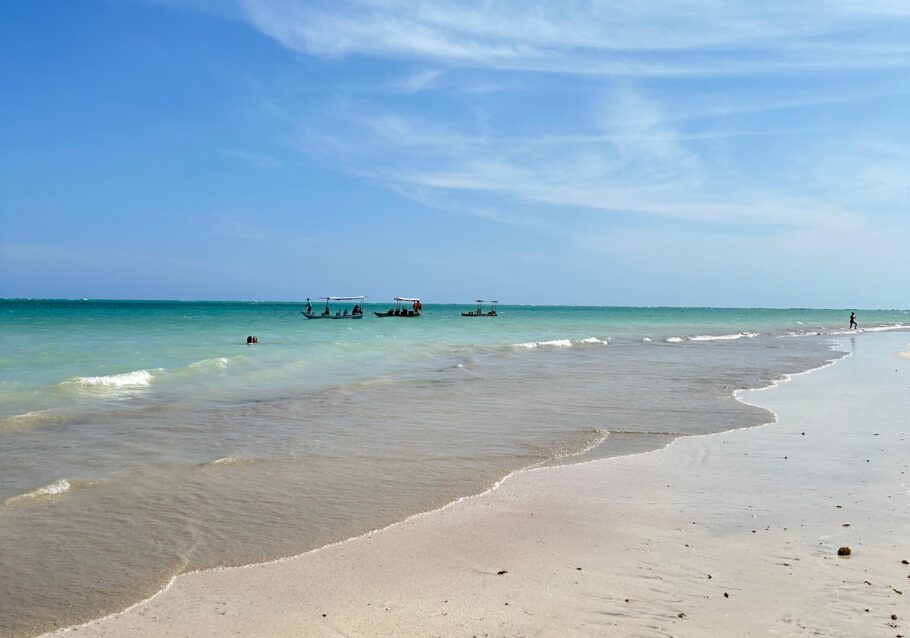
(729, 337)
(219, 363)
(57, 488)
(135, 380)
(29, 418)
(228, 460)
(556, 343)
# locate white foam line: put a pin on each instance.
(112, 615)
(56, 488)
(822, 332)
(785, 377)
(535, 467)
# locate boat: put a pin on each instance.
(354, 313)
(479, 311)
(401, 309)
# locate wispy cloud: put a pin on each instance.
(417, 81)
(259, 160)
(583, 108)
(634, 161)
(610, 37)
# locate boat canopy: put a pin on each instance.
(485, 301)
(412, 299)
(360, 298)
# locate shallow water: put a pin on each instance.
(140, 439)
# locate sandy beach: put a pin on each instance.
(725, 535)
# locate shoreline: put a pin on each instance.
(712, 372)
(539, 466)
(418, 517)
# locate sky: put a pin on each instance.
(597, 153)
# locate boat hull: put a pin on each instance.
(312, 315)
(400, 315)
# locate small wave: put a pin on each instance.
(229, 460)
(592, 340)
(739, 335)
(646, 339)
(829, 332)
(896, 326)
(596, 438)
(674, 339)
(29, 418)
(57, 488)
(219, 363)
(135, 380)
(556, 343)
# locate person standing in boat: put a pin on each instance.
(309, 306)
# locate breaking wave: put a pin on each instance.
(559, 343)
(730, 337)
(218, 363)
(138, 380)
(51, 490)
(29, 418)
(135, 380)
(739, 335)
(555, 343)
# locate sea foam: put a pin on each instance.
(555, 343)
(739, 335)
(29, 418)
(125, 380)
(57, 488)
(218, 363)
(228, 460)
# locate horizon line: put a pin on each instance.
(446, 303)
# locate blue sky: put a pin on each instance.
(615, 153)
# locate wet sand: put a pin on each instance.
(728, 534)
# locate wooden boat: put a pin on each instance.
(479, 311)
(401, 309)
(354, 313)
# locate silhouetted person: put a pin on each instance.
(853, 324)
(249, 341)
(309, 307)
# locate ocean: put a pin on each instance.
(142, 439)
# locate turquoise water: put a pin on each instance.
(139, 440)
(55, 352)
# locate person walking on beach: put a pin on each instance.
(853, 324)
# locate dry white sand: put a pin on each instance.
(727, 535)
